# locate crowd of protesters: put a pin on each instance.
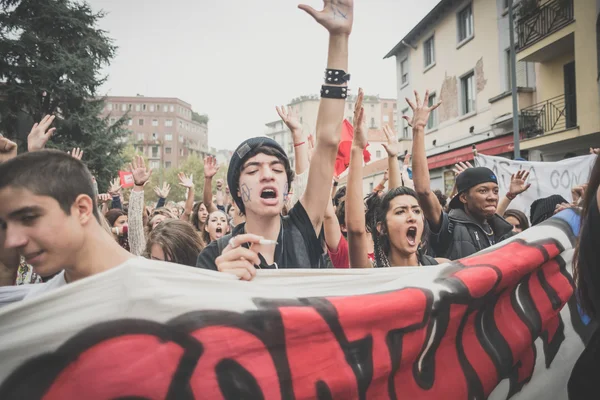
(56, 228)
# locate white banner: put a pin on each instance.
(546, 178)
(500, 324)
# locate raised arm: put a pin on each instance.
(392, 147)
(518, 184)
(188, 183)
(162, 194)
(115, 193)
(210, 169)
(355, 207)
(135, 213)
(8, 149)
(40, 134)
(427, 199)
(299, 138)
(406, 179)
(336, 17)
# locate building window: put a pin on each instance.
(372, 122)
(137, 107)
(181, 124)
(140, 149)
(404, 71)
(109, 106)
(378, 154)
(349, 106)
(141, 122)
(129, 106)
(465, 23)
(154, 136)
(154, 151)
(180, 139)
(167, 164)
(151, 107)
(130, 122)
(180, 152)
(385, 105)
(140, 136)
(467, 89)
(432, 122)
(370, 187)
(154, 122)
(404, 124)
(154, 164)
(123, 107)
(167, 150)
(112, 120)
(429, 52)
(168, 137)
(169, 122)
(386, 118)
(143, 107)
(395, 106)
(172, 108)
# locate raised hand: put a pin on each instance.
(518, 182)
(420, 111)
(186, 181)
(461, 167)
(360, 125)
(392, 147)
(115, 187)
(595, 151)
(76, 153)
(8, 149)
(336, 16)
(140, 173)
(104, 198)
(40, 134)
(210, 167)
(289, 118)
(163, 192)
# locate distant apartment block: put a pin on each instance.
(161, 128)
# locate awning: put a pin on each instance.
(493, 147)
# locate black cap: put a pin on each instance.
(542, 209)
(471, 177)
(238, 159)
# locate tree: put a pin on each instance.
(201, 119)
(51, 55)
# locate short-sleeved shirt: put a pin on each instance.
(340, 258)
(298, 246)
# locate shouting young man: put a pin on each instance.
(48, 213)
(260, 176)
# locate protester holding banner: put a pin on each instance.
(472, 223)
(259, 178)
(584, 378)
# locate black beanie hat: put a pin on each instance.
(469, 178)
(542, 209)
(239, 158)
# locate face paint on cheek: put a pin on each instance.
(245, 192)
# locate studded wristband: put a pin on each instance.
(336, 76)
(334, 92)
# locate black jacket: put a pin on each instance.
(460, 236)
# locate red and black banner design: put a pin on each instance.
(473, 327)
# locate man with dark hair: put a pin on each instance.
(471, 224)
(48, 212)
(260, 176)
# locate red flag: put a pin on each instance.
(126, 179)
(342, 161)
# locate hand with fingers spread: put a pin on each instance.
(115, 187)
(210, 167)
(8, 149)
(76, 153)
(421, 111)
(40, 134)
(163, 192)
(461, 167)
(289, 119)
(238, 260)
(336, 16)
(140, 173)
(186, 181)
(360, 123)
(392, 147)
(518, 183)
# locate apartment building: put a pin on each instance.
(164, 129)
(378, 112)
(460, 52)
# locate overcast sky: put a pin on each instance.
(235, 60)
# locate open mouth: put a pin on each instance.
(411, 235)
(268, 194)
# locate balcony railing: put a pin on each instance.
(548, 18)
(555, 114)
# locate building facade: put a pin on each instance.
(161, 128)
(460, 52)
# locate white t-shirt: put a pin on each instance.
(59, 281)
